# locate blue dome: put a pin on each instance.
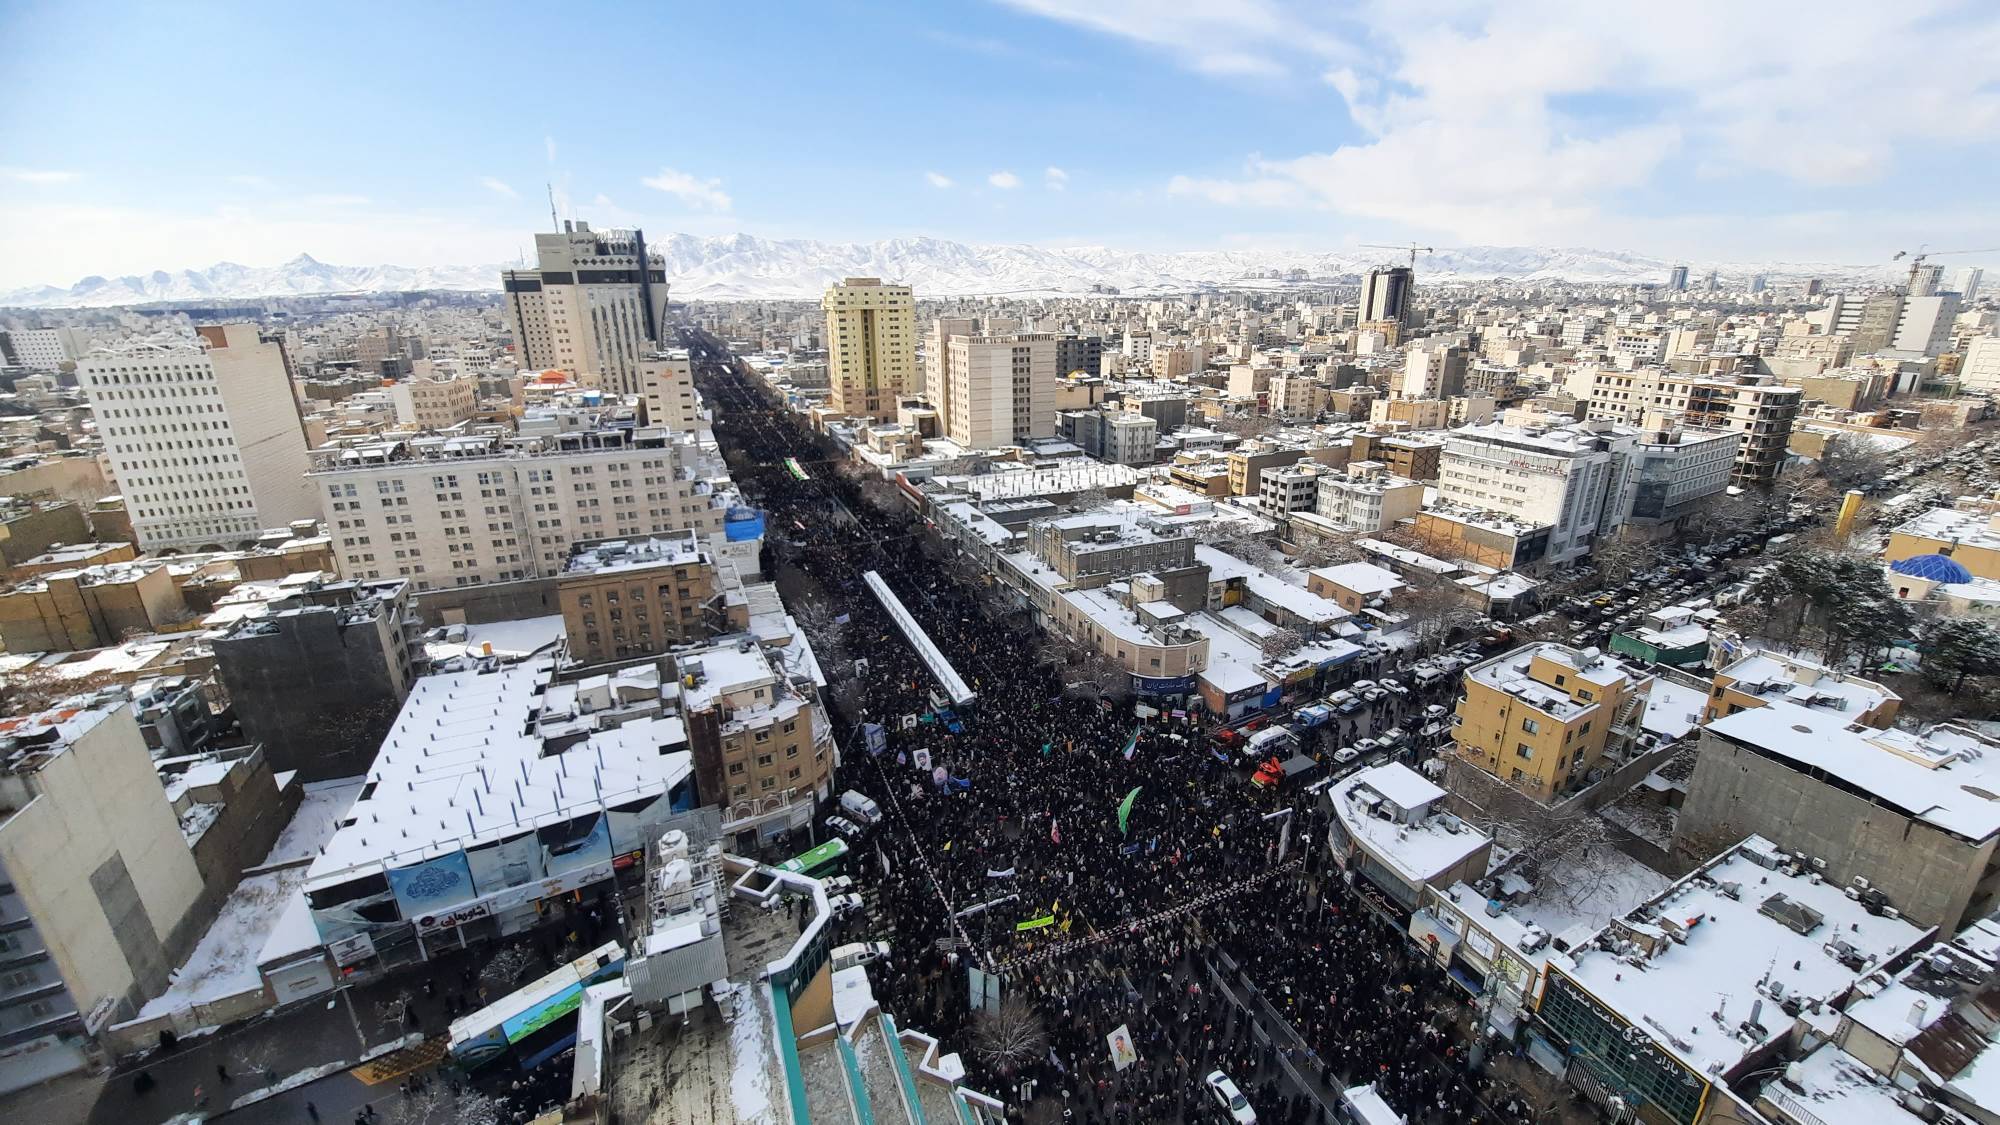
(1932, 568)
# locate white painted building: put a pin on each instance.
(205, 440)
(1554, 476)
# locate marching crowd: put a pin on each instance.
(1051, 838)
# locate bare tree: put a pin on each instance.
(1090, 499)
(1282, 643)
(1436, 610)
(1010, 1038)
(505, 968)
(436, 1104)
(1244, 425)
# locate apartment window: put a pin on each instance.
(1531, 726)
(1524, 752)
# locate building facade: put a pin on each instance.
(625, 598)
(206, 441)
(871, 346)
(1539, 717)
(595, 305)
(999, 390)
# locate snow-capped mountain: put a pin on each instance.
(746, 266)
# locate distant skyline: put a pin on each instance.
(140, 137)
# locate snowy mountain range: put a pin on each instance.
(744, 266)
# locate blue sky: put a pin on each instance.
(135, 137)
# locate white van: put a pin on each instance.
(858, 953)
(859, 807)
(1277, 739)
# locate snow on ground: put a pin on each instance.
(225, 962)
(312, 826)
(751, 1059)
(1648, 820)
(1590, 890)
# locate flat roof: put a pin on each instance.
(1731, 949)
(464, 763)
(1949, 777)
(1418, 852)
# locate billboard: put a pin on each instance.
(504, 863)
(577, 843)
(429, 887)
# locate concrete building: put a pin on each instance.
(624, 598)
(595, 306)
(318, 674)
(871, 346)
(1119, 437)
(448, 512)
(29, 528)
(1284, 489)
(757, 730)
(1757, 678)
(1297, 395)
(206, 441)
(1390, 828)
(1981, 369)
(667, 386)
(42, 349)
(1430, 371)
(999, 390)
(1076, 353)
(1757, 407)
(1540, 717)
(1543, 476)
(1417, 458)
(1385, 295)
(1356, 586)
(430, 402)
(1367, 499)
(1896, 811)
(68, 475)
(1699, 992)
(89, 607)
(1669, 471)
(98, 889)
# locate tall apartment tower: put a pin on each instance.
(596, 305)
(871, 346)
(1001, 389)
(206, 439)
(667, 379)
(1385, 294)
(937, 363)
(1926, 280)
(1677, 279)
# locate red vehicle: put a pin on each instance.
(1270, 773)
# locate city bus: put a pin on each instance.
(817, 861)
(536, 1022)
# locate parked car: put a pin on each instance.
(858, 953)
(838, 884)
(1346, 754)
(846, 904)
(844, 826)
(1235, 1107)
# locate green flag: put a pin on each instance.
(1131, 745)
(1036, 923)
(1125, 808)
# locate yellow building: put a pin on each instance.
(1756, 677)
(1972, 539)
(871, 346)
(1541, 715)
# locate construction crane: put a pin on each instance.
(1917, 259)
(1413, 249)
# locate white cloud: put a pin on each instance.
(1005, 181)
(703, 195)
(1255, 191)
(937, 179)
(1054, 178)
(250, 180)
(549, 146)
(38, 175)
(498, 187)
(334, 199)
(1543, 120)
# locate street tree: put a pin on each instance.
(1958, 647)
(1011, 1038)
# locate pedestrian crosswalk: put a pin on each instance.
(396, 1064)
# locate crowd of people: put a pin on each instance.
(1096, 857)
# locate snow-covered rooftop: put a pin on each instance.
(1365, 579)
(1719, 938)
(631, 554)
(1948, 777)
(1972, 529)
(464, 762)
(1413, 838)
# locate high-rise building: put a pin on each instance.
(595, 306)
(205, 440)
(667, 384)
(468, 511)
(1966, 283)
(1926, 279)
(1677, 279)
(43, 349)
(1001, 390)
(937, 363)
(1083, 353)
(101, 895)
(1981, 369)
(1757, 407)
(1554, 478)
(1385, 294)
(871, 346)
